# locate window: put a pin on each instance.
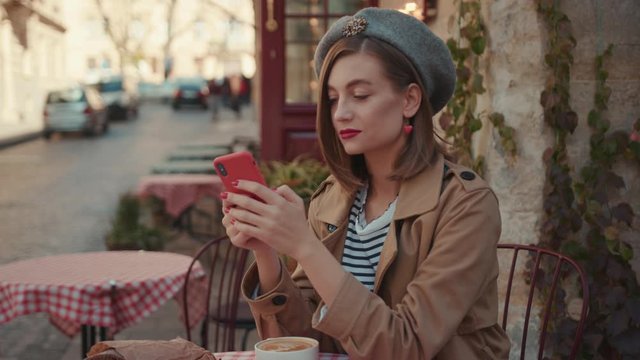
(305, 23)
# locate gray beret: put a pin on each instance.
(428, 53)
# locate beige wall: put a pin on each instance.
(27, 73)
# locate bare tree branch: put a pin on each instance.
(229, 13)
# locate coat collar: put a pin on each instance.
(418, 195)
(421, 193)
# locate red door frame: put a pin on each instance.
(287, 130)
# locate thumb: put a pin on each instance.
(286, 192)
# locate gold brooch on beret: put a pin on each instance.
(354, 26)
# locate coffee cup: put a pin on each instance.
(287, 348)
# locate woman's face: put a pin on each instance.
(366, 109)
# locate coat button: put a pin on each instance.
(467, 175)
(331, 228)
(279, 300)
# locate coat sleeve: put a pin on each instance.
(456, 272)
(287, 309)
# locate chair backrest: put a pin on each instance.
(535, 280)
(227, 266)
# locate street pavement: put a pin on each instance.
(59, 196)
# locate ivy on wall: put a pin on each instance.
(461, 119)
(582, 218)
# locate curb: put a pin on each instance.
(17, 139)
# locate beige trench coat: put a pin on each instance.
(435, 292)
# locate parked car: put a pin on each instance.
(191, 93)
(75, 109)
(122, 101)
(156, 92)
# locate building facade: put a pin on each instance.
(192, 38)
(32, 60)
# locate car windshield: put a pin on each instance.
(181, 82)
(194, 87)
(66, 96)
(111, 86)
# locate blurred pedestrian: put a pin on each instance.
(235, 89)
(215, 93)
(397, 256)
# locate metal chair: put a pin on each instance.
(545, 287)
(226, 312)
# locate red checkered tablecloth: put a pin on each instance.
(179, 191)
(113, 289)
(250, 355)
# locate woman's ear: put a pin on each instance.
(412, 100)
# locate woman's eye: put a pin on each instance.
(361, 97)
(332, 101)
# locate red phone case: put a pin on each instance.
(237, 166)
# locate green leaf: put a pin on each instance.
(633, 307)
(611, 233)
(477, 84)
(628, 342)
(457, 111)
(453, 47)
(478, 44)
(612, 246)
(568, 121)
(475, 125)
(573, 249)
(634, 147)
(463, 73)
(497, 119)
(626, 252)
(617, 322)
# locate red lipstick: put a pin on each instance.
(349, 133)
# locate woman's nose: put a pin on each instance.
(341, 111)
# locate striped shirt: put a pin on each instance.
(364, 241)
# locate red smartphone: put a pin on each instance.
(238, 166)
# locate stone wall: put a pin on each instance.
(515, 75)
(596, 24)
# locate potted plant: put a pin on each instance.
(127, 231)
(303, 175)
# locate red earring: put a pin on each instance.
(408, 129)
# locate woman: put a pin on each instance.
(398, 256)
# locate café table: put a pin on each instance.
(109, 290)
(181, 195)
(251, 355)
(180, 191)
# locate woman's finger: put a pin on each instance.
(289, 195)
(235, 200)
(245, 216)
(247, 230)
(264, 193)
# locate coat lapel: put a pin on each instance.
(417, 195)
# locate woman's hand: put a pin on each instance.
(238, 239)
(266, 257)
(278, 221)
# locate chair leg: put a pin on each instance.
(245, 337)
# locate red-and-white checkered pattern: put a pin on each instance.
(250, 355)
(179, 191)
(76, 289)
